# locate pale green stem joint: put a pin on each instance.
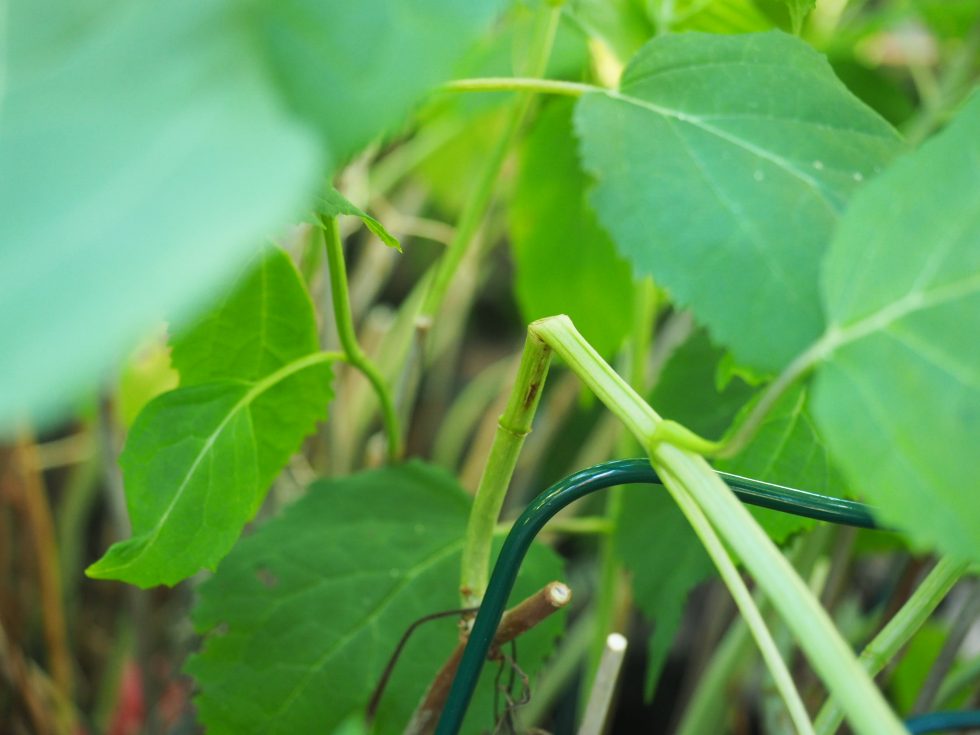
(686, 474)
(513, 427)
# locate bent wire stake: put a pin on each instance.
(570, 489)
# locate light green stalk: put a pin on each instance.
(513, 427)
(476, 206)
(348, 336)
(897, 632)
(688, 477)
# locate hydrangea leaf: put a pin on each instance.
(265, 320)
(787, 450)
(199, 460)
(722, 165)
(315, 601)
(897, 395)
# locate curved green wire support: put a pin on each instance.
(943, 722)
(570, 489)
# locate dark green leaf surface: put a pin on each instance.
(565, 263)
(335, 204)
(265, 320)
(304, 614)
(787, 450)
(665, 560)
(898, 396)
(199, 460)
(142, 160)
(722, 165)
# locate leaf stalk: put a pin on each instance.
(339, 292)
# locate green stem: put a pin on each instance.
(520, 84)
(477, 204)
(584, 526)
(686, 473)
(750, 611)
(959, 683)
(898, 631)
(513, 427)
(673, 433)
(348, 337)
(608, 599)
(705, 712)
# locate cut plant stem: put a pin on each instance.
(518, 620)
(898, 632)
(472, 216)
(687, 474)
(604, 688)
(348, 336)
(514, 425)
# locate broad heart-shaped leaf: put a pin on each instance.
(199, 459)
(355, 69)
(304, 614)
(722, 164)
(565, 263)
(898, 397)
(143, 156)
(665, 560)
(265, 321)
(787, 450)
(334, 204)
(198, 462)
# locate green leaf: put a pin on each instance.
(722, 165)
(787, 450)
(334, 204)
(565, 263)
(199, 460)
(356, 69)
(124, 199)
(666, 561)
(898, 396)
(264, 321)
(315, 601)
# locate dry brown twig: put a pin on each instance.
(515, 622)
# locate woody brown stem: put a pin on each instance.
(25, 475)
(515, 622)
